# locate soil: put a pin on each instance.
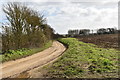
(12, 69)
(105, 40)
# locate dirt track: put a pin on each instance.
(12, 68)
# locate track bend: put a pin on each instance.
(18, 66)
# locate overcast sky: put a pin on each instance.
(63, 15)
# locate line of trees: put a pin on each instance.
(106, 31)
(87, 31)
(79, 32)
(27, 28)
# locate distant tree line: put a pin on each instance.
(106, 31)
(87, 31)
(79, 32)
(27, 28)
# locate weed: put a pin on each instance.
(84, 59)
(16, 54)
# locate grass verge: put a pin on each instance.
(20, 53)
(84, 60)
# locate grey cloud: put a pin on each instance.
(98, 19)
(77, 15)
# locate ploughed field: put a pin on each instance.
(105, 40)
(84, 60)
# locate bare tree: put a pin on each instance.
(26, 28)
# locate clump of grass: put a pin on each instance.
(83, 59)
(20, 53)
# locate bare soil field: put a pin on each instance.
(105, 41)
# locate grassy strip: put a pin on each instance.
(84, 60)
(16, 54)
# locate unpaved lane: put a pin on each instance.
(12, 68)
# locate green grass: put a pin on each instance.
(84, 60)
(20, 53)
